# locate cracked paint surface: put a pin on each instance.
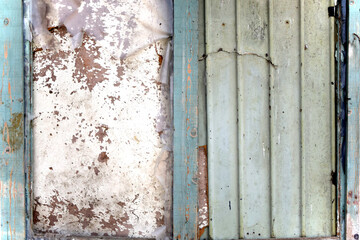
(102, 129)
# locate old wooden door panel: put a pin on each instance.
(270, 118)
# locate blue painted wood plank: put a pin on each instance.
(12, 189)
(353, 130)
(185, 119)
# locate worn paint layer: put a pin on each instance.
(271, 118)
(102, 123)
(186, 120)
(12, 179)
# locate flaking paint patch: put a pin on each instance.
(87, 104)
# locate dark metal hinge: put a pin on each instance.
(333, 11)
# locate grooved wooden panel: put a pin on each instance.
(271, 126)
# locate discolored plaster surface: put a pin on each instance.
(102, 124)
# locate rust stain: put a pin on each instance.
(120, 74)
(10, 182)
(84, 214)
(5, 132)
(203, 190)
(103, 157)
(160, 220)
(349, 197)
(161, 58)
(74, 139)
(102, 132)
(9, 91)
(120, 227)
(96, 170)
(52, 220)
(85, 66)
(113, 99)
(6, 50)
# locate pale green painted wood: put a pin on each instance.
(12, 182)
(318, 120)
(222, 118)
(283, 51)
(285, 119)
(353, 127)
(253, 104)
(185, 187)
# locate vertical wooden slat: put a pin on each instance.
(253, 114)
(285, 116)
(220, 20)
(353, 130)
(185, 119)
(317, 122)
(12, 188)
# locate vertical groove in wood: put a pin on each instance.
(302, 147)
(12, 179)
(332, 101)
(271, 122)
(185, 208)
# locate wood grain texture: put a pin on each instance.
(185, 119)
(12, 189)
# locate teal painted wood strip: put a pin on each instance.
(12, 181)
(353, 130)
(185, 119)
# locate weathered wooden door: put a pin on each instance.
(271, 124)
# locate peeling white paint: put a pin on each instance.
(102, 120)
